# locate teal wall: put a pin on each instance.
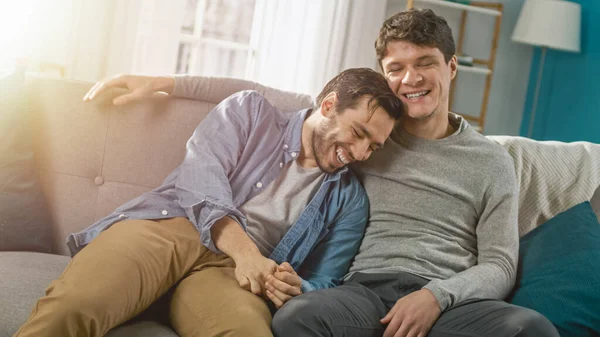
(569, 100)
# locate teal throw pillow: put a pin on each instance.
(559, 272)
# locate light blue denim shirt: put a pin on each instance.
(234, 153)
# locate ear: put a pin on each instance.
(453, 64)
(328, 105)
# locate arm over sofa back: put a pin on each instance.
(93, 157)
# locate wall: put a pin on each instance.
(569, 100)
(513, 62)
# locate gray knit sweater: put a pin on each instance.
(445, 210)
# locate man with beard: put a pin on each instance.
(262, 207)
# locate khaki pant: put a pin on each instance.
(130, 265)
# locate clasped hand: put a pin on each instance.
(263, 277)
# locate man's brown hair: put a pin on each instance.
(351, 85)
(421, 27)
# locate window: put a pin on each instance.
(216, 38)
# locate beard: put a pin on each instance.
(322, 141)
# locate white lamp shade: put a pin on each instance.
(550, 23)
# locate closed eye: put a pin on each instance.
(356, 134)
(395, 70)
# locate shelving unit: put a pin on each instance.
(481, 66)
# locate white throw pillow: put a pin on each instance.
(553, 176)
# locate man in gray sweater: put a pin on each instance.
(440, 251)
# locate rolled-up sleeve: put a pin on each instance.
(330, 260)
(212, 154)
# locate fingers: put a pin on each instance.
(392, 329)
(286, 267)
(285, 287)
(389, 316)
(98, 88)
(250, 284)
(279, 294)
(402, 331)
(124, 99)
(397, 326)
(244, 282)
(413, 333)
(255, 287)
(278, 303)
(87, 95)
(291, 279)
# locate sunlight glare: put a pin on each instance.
(15, 27)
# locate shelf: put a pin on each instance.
(461, 6)
(477, 70)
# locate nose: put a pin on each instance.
(411, 78)
(362, 150)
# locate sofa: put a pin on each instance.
(85, 159)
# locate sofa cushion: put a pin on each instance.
(553, 176)
(559, 271)
(24, 218)
(25, 277)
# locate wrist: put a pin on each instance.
(432, 298)
(245, 254)
(164, 84)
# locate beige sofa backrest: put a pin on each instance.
(93, 157)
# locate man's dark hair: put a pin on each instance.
(351, 85)
(418, 26)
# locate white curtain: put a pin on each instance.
(157, 39)
(300, 45)
(144, 38)
(303, 44)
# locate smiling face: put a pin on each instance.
(420, 77)
(350, 135)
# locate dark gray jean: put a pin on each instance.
(355, 308)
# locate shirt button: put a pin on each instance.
(280, 164)
(285, 146)
(164, 212)
(294, 154)
(121, 216)
(259, 184)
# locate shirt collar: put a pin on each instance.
(293, 140)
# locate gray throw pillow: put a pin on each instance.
(24, 218)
